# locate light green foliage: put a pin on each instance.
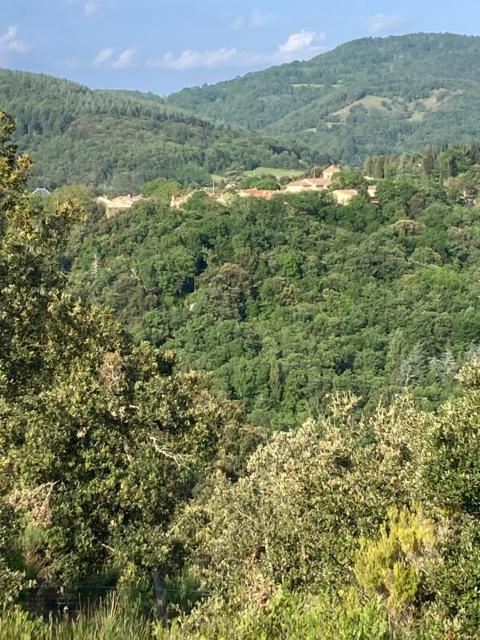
(110, 622)
(392, 566)
(285, 617)
(79, 194)
(452, 470)
(11, 578)
(268, 182)
(348, 179)
(314, 501)
(306, 498)
(291, 616)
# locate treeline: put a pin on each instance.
(448, 161)
(114, 141)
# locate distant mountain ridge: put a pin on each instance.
(369, 96)
(114, 141)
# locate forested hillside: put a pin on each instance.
(365, 97)
(115, 141)
(291, 300)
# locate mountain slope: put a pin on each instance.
(369, 96)
(114, 141)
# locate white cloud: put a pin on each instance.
(108, 57)
(299, 46)
(125, 60)
(301, 43)
(11, 44)
(191, 59)
(380, 23)
(103, 56)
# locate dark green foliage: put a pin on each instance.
(290, 300)
(370, 96)
(162, 190)
(348, 180)
(361, 523)
(11, 575)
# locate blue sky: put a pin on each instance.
(162, 46)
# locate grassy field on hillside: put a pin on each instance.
(278, 173)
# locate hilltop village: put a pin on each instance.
(226, 192)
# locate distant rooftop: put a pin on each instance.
(118, 203)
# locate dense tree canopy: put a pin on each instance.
(126, 458)
(293, 299)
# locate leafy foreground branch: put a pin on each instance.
(115, 468)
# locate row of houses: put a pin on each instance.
(112, 205)
(296, 186)
(341, 196)
(123, 203)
